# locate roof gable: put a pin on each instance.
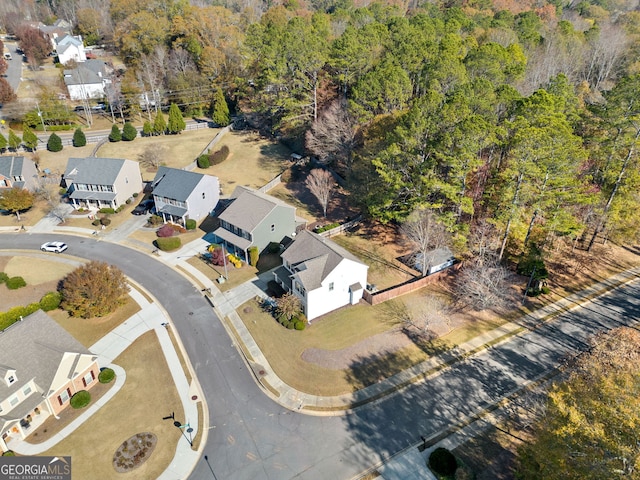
(175, 183)
(250, 207)
(94, 170)
(35, 347)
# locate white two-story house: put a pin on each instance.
(97, 183)
(322, 274)
(180, 195)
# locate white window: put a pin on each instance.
(64, 397)
(26, 390)
(331, 287)
(14, 401)
(88, 378)
(11, 379)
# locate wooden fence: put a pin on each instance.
(404, 288)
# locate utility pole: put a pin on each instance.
(44, 127)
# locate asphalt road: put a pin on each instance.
(15, 67)
(251, 437)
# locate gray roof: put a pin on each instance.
(313, 258)
(175, 183)
(173, 210)
(250, 207)
(87, 195)
(34, 347)
(436, 257)
(12, 167)
(89, 72)
(67, 40)
(93, 170)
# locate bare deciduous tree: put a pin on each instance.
(483, 284)
(321, 183)
(332, 137)
(424, 233)
(288, 305)
(152, 156)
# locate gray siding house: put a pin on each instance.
(255, 219)
(18, 172)
(97, 183)
(180, 195)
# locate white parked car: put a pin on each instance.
(56, 247)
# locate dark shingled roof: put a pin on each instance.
(175, 183)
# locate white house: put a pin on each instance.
(180, 194)
(88, 80)
(323, 275)
(70, 47)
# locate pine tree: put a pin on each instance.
(220, 110)
(3, 143)
(159, 124)
(176, 122)
(14, 140)
(29, 138)
(79, 139)
(115, 135)
(54, 144)
(147, 129)
(129, 132)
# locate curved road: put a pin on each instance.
(251, 437)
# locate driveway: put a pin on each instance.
(252, 437)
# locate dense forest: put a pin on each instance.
(520, 119)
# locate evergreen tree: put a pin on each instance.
(176, 122)
(79, 139)
(54, 144)
(29, 139)
(129, 132)
(3, 143)
(14, 140)
(115, 135)
(159, 124)
(147, 129)
(220, 109)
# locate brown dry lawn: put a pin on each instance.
(344, 328)
(28, 218)
(139, 406)
(148, 236)
(253, 161)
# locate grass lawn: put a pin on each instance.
(28, 218)
(148, 236)
(175, 151)
(117, 219)
(89, 330)
(46, 271)
(147, 395)
(253, 161)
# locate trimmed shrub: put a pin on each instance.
(135, 194)
(203, 161)
(545, 290)
(129, 132)
(165, 231)
(300, 325)
(442, 462)
(115, 135)
(8, 453)
(96, 222)
(168, 244)
(80, 399)
(79, 138)
(50, 301)
(106, 375)
(273, 247)
(155, 220)
(106, 221)
(219, 156)
(15, 283)
(54, 144)
(108, 211)
(326, 227)
(191, 224)
(128, 201)
(254, 255)
(3, 277)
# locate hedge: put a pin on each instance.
(15, 283)
(107, 210)
(191, 224)
(80, 399)
(3, 277)
(48, 302)
(168, 243)
(219, 156)
(327, 227)
(106, 375)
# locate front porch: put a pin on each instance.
(28, 422)
(93, 200)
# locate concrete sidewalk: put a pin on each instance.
(150, 317)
